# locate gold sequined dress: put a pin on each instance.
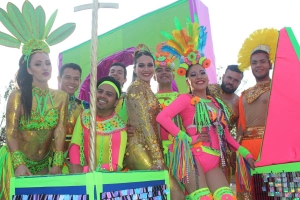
(144, 148)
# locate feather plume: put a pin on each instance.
(10, 27)
(171, 50)
(9, 41)
(167, 35)
(175, 46)
(49, 24)
(177, 24)
(195, 35)
(18, 21)
(40, 21)
(30, 18)
(60, 34)
(267, 37)
(180, 39)
(202, 40)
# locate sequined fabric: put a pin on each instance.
(215, 91)
(144, 148)
(252, 93)
(75, 108)
(35, 144)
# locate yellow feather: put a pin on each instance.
(174, 45)
(180, 39)
(266, 36)
(195, 35)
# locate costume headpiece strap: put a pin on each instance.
(163, 59)
(260, 40)
(29, 28)
(187, 44)
(111, 84)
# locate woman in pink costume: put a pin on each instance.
(110, 129)
(198, 165)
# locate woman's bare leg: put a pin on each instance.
(218, 184)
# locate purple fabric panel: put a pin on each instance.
(174, 86)
(196, 6)
(125, 57)
(60, 58)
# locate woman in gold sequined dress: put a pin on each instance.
(35, 114)
(144, 149)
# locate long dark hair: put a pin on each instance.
(24, 81)
(137, 55)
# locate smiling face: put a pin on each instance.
(197, 78)
(164, 75)
(40, 68)
(106, 98)
(118, 73)
(144, 68)
(260, 66)
(70, 80)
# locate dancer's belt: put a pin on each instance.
(254, 132)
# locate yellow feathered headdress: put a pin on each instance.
(187, 44)
(263, 39)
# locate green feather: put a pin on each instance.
(49, 25)
(41, 18)
(177, 24)
(30, 18)
(60, 34)
(9, 41)
(18, 21)
(167, 35)
(8, 24)
(196, 18)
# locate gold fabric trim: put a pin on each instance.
(254, 132)
(254, 92)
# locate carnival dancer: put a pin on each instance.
(118, 71)
(111, 131)
(200, 113)
(258, 51)
(144, 149)
(69, 79)
(164, 68)
(35, 114)
(226, 93)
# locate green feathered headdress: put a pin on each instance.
(29, 28)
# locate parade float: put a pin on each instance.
(277, 172)
(95, 60)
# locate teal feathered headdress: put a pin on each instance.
(29, 28)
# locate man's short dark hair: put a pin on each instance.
(69, 65)
(114, 81)
(235, 69)
(121, 65)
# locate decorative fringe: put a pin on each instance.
(6, 171)
(243, 171)
(180, 160)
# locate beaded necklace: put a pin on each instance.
(206, 116)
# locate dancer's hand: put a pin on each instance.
(22, 170)
(130, 130)
(203, 137)
(251, 163)
(55, 170)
